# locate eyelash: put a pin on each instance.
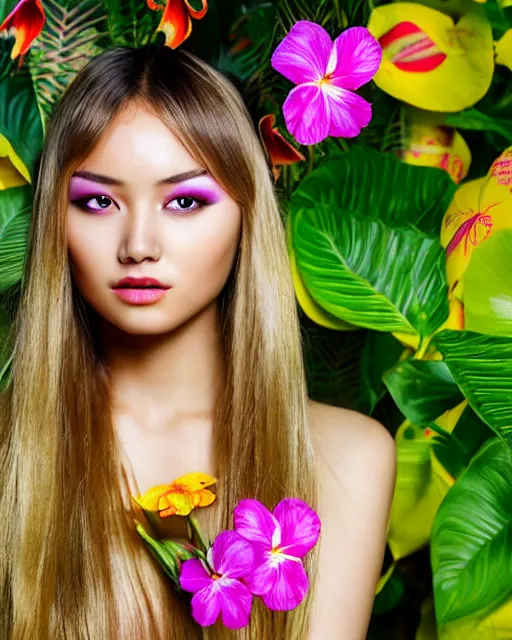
(81, 203)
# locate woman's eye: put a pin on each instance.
(83, 203)
(184, 204)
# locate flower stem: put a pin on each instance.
(197, 530)
(311, 160)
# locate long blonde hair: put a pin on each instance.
(71, 564)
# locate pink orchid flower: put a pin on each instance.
(218, 589)
(280, 540)
(326, 74)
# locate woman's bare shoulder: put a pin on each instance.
(342, 433)
(356, 465)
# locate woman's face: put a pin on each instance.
(130, 214)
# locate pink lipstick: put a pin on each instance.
(140, 290)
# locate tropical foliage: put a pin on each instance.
(399, 235)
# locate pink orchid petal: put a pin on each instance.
(254, 522)
(349, 113)
(264, 575)
(300, 526)
(289, 588)
(193, 576)
(235, 602)
(232, 555)
(355, 58)
(306, 113)
(303, 53)
(206, 605)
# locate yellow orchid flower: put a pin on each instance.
(13, 172)
(479, 207)
(431, 144)
(180, 497)
(428, 60)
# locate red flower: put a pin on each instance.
(176, 23)
(27, 19)
(279, 149)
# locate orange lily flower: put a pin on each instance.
(176, 23)
(180, 497)
(280, 150)
(27, 19)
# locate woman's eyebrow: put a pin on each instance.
(98, 177)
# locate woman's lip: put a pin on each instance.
(139, 295)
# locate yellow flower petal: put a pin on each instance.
(431, 144)
(180, 504)
(194, 481)
(428, 60)
(420, 488)
(13, 172)
(478, 208)
(504, 50)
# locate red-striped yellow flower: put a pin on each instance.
(479, 207)
(429, 143)
(430, 61)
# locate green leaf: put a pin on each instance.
(15, 216)
(381, 352)
(71, 36)
(20, 121)
(391, 593)
(482, 367)
(378, 186)
(130, 22)
(472, 538)
(406, 294)
(454, 450)
(422, 389)
(488, 286)
(474, 120)
(168, 553)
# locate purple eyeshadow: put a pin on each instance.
(83, 188)
(202, 187)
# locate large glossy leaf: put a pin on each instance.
(423, 389)
(345, 263)
(15, 216)
(472, 538)
(488, 286)
(20, 121)
(310, 307)
(379, 186)
(482, 367)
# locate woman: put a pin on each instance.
(152, 169)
